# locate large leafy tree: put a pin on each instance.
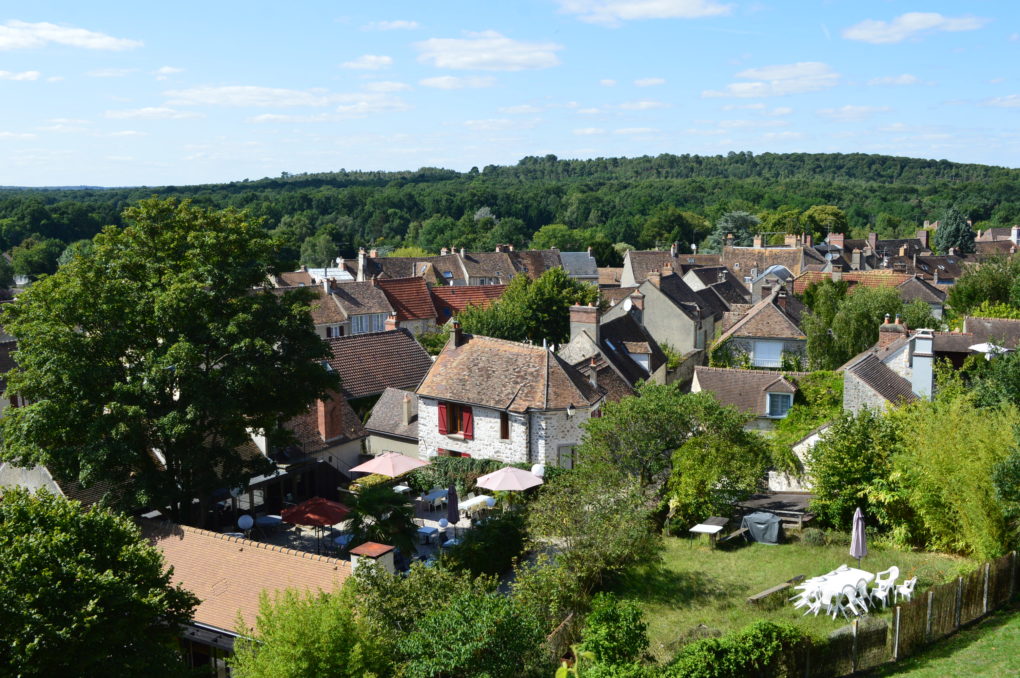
(820, 220)
(82, 594)
(840, 325)
(996, 281)
(741, 225)
(149, 359)
(531, 310)
(954, 231)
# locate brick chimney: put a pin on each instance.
(837, 239)
(458, 335)
(327, 417)
(406, 409)
(922, 235)
(888, 332)
(782, 299)
(791, 240)
(873, 241)
(809, 240)
(391, 319)
(666, 270)
(584, 319)
(655, 277)
(756, 242)
(855, 260)
(361, 264)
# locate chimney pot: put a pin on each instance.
(462, 251)
(757, 241)
(444, 252)
(888, 319)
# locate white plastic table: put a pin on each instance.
(710, 530)
(474, 502)
(435, 494)
(401, 489)
(834, 581)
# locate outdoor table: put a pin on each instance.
(834, 581)
(426, 533)
(435, 494)
(474, 502)
(451, 542)
(710, 530)
(401, 489)
(268, 521)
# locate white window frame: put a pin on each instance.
(767, 360)
(788, 397)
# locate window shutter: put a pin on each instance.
(504, 425)
(468, 423)
(443, 426)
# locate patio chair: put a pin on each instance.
(849, 593)
(906, 589)
(438, 502)
(471, 495)
(804, 597)
(813, 600)
(884, 583)
(863, 596)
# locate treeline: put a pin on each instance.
(605, 199)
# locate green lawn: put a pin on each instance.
(988, 650)
(695, 590)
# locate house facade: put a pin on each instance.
(765, 395)
(766, 335)
(495, 399)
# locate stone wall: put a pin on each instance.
(486, 443)
(857, 394)
(552, 430)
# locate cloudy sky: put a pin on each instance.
(115, 93)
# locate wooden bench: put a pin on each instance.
(772, 598)
(733, 535)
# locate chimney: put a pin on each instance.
(873, 241)
(458, 335)
(666, 270)
(637, 305)
(837, 272)
(655, 277)
(903, 250)
(921, 359)
(593, 374)
(340, 262)
(361, 264)
(953, 251)
(373, 253)
(855, 260)
(837, 239)
(327, 418)
(391, 320)
(927, 224)
(461, 251)
(888, 332)
(809, 240)
(584, 319)
(501, 248)
(729, 240)
(791, 240)
(888, 319)
(443, 252)
(406, 410)
(673, 250)
(935, 275)
(756, 243)
(899, 320)
(782, 299)
(922, 235)
(325, 285)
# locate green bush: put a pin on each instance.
(461, 472)
(762, 648)
(370, 481)
(491, 546)
(548, 589)
(813, 536)
(615, 630)
(629, 670)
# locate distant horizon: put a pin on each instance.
(134, 95)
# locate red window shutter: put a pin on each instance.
(444, 427)
(443, 453)
(504, 425)
(468, 423)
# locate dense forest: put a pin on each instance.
(638, 201)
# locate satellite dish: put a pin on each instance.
(245, 522)
(627, 304)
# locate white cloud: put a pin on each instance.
(589, 131)
(642, 105)
(248, 95)
(453, 82)
(387, 86)
(519, 110)
(368, 62)
(612, 12)
(151, 113)
(278, 117)
(16, 135)
(903, 79)
(607, 82)
(751, 124)
(55, 78)
(397, 25)
(909, 25)
(589, 111)
(1008, 101)
(497, 124)
(851, 113)
(781, 110)
(111, 72)
(24, 35)
(635, 130)
(779, 80)
(649, 82)
(488, 51)
(355, 105)
(23, 76)
(165, 71)
(128, 133)
(744, 107)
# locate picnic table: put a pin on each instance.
(706, 528)
(474, 502)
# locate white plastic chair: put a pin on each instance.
(863, 597)
(814, 602)
(849, 593)
(906, 589)
(884, 583)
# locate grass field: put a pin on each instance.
(695, 589)
(987, 650)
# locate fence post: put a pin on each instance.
(927, 619)
(959, 601)
(896, 637)
(984, 604)
(1012, 574)
(854, 654)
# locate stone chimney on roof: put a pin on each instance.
(443, 252)
(391, 320)
(585, 319)
(873, 241)
(729, 239)
(462, 251)
(809, 240)
(837, 272)
(837, 239)
(327, 418)
(903, 250)
(373, 253)
(855, 260)
(756, 242)
(782, 298)
(361, 264)
(721, 275)
(406, 409)
(655, 277)
(667, 269)
(791, 240)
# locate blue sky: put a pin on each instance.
(116, 93)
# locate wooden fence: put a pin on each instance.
(867, 643)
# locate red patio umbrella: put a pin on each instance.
(317, 512)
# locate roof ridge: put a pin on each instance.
(744, 369)
(259, 545)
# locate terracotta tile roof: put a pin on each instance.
(880, 378)
(915, 288)
(766, 320)
(875, 278)
(610, 277)
(369, 363)
(370, 549)
(357, 298)
(750, 261)
(1000, 331)
(745, 390)
(409, 297)
(294, 279)
(506, 375)
(229, 574)
(388, 415)
(452, 299)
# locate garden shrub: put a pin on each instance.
(628, 670)
(615, 630)
(462, 472)
(763, 648)
(490, 546)
(548, 589)
(371, 480)
(813, 536)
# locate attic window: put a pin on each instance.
(779, 404)
(447, 274)
(941, 267)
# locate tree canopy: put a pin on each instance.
(149, 359)
(953, 232)
(82, 594)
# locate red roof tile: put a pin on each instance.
(368, 363)
(370, 549)
(876, 278)
(453, 299)
(409, 298)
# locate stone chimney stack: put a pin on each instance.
(873, 241)
(373, 253)
(791, 240)
(809, 240)
(729, 239)
(444, 252)
(756, 242)
(361, 264)
(461, 251)
(782, 298)
(837, 240)
(666, 270)
(655, 277)
(922, 235)
(837, 272)
(584, 319)
(406, 409)
(855, 260)
(391, 320)
(458, 335)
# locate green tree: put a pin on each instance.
(953, 231)
(560, 236)
(381, 515)
(410, 251)
(820, 220)
(841, 325)
(6, 273)
(741, 225)
(474, 634)
(547, 589)
(36, 256)
(531, 310)
(995, 281)
(73, 250)
(301, 635)
(318, 251)
(615, 630)
(154, 345)
(83, 594)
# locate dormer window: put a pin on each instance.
(779, 404)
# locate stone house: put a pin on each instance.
(765, 333)
(898, 369)
(766, 395)
(771, 278)
(796, 255)
(496, 399)
(637, 264)
(393, 424)
(364, 306)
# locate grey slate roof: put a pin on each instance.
(881, 379)
(387, 415)
(357, 298)
(579, 264)
(617, 334)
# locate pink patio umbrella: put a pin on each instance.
(509, 479)
(390, 464)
